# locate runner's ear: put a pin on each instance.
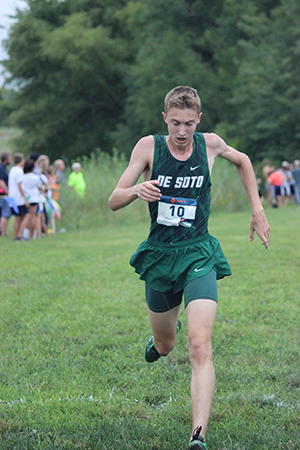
(164, 116)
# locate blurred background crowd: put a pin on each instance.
(282, 183)
(30, 192)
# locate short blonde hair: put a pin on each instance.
(183, 97)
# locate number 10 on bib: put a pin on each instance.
(175, 211)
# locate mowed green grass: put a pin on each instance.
(74, 324)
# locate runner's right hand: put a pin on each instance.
(149, 192)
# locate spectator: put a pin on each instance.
(43, 164)
(277, 179)
(44, 160)
(286, 188)
(31, 185)
(5, 161)
(34, 156)
(291, 181)
(15, 191)
(4, 207)
(296, 176)
(52, 180)
(3, 188)
(267, 170)
(59, 167)
(76, 180)
(52, 193)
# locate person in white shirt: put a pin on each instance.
(15, 191)
(31, 185)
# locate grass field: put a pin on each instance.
(74, 325)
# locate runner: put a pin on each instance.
(180, 257)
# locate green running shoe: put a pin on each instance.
(151, 354)
(197, 442)
(178, 326)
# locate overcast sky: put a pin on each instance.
(7, 8)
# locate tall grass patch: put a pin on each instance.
(102, 173)
(227, 192)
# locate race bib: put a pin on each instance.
(174, 211)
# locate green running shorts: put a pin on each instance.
(204, 287)
(170, 267)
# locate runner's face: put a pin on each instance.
(182, 124)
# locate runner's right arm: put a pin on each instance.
(140, 163)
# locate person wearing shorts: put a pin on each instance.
(31, 185)
(296, 176)
(5, 160)
(180, 258)
(277, 179)
(5, 215)
(16, 192)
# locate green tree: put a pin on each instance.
(175, 48)
(93, 73)
(6, 97)
(206, 46)
(69, 69)
(266, 95)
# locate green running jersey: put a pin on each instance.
(185, 181)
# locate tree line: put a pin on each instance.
(87, 74)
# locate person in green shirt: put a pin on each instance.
(76, 180)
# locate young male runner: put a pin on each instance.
(180, 257)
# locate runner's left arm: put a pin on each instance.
(259, 223)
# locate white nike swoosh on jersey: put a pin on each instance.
(198, 270)
(194, 168)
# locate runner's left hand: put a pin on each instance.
(260, 226)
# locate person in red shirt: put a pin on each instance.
(277, 179)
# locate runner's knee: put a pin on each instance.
(200, 350)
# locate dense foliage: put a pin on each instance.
(93, 73)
